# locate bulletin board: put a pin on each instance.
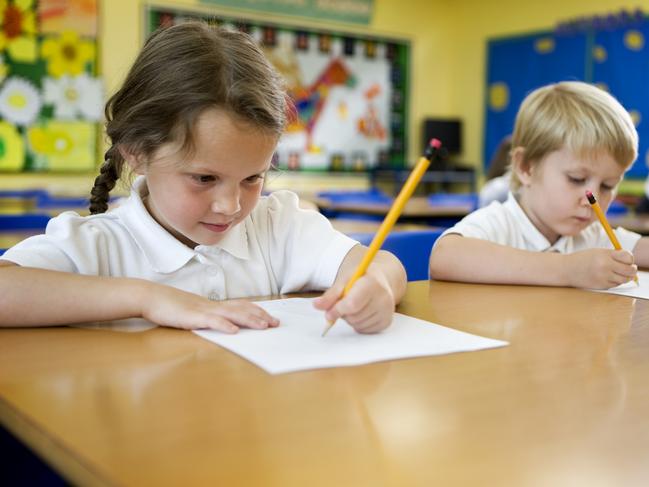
(610, 52)
(350, 91)
(50, 96)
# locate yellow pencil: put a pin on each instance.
(607, 227)
(391, 217)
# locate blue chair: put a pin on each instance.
(412, 248)
(360, 197)
(454, 199)
(617, 208)
(23, 221)
(49, 201)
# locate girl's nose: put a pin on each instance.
(226, 203)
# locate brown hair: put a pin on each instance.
(181, 71)
(575, 115)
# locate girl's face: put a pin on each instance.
(553, 191)
(199, 197)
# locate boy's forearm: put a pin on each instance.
(37, 297)
(457, 258)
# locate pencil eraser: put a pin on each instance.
(589, 195)
(435, 143)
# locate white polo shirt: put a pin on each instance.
(278, 248)
(507, 224)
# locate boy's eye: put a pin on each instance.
(576, 180)
(606, 187)
(203, 178)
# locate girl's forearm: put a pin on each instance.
(388, 267)
(37, 297)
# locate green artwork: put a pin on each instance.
(50, 98)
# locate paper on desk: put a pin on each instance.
(640, 290)
(297, 343)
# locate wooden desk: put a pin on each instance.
(565, 404)
(635, 223)
(9, 239)
(453, 174)
(416, 208)
(346, 225)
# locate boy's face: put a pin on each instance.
(553, 191)
(199, 197)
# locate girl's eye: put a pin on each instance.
(254, 179)
(203, 178)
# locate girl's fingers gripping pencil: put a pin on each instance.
(393, 215)
(607, 227)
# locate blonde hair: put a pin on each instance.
(577, 116)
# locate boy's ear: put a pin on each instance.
(520, 166)
(132, 159)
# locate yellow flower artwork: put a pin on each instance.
(63, 146)
(67, 54)
(18, 29)
(12, 148)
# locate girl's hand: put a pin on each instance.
(168, 306)
(368, 306)
(600, 268)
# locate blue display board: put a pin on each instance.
(519, 65)
(621, 66)
(615, 58)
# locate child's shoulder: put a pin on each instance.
(279, 198)
(71, 223)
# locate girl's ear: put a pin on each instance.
(132, 159)
(521, 167)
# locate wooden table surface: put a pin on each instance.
(635, 223)
(565, 404)
(347, 225)
(416, 207)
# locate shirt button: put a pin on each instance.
(212, 270)
(214, 297)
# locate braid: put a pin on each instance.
(105, 182)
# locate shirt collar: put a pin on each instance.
(536, 241)
(162, 250)
(235, 242)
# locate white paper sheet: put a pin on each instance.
(640, 290)
(297, 343)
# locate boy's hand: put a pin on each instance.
(368, 306)
(168, 306)
(600, 268)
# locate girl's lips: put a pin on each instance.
(217, 228)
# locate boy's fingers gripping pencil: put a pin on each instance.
(607, 227)
(432, 151)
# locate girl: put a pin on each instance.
(198, 119)
(568, 138)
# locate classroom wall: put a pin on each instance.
(477, 21)
(448, 55)
(426, 23)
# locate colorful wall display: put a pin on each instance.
(610, 52)
(350, 92)
(50, 97)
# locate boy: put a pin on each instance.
(569, 137)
